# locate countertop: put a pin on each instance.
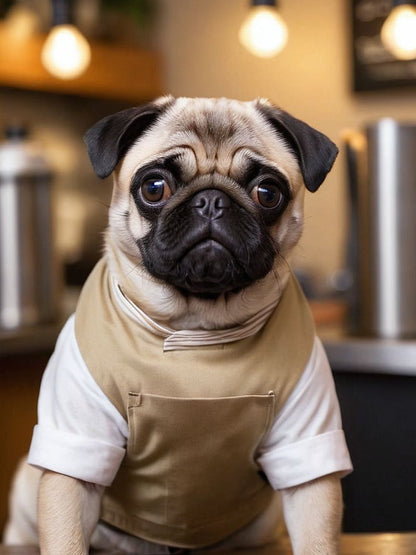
(351, 544)
(371, 355)
(350, 353)
(42, 337)
(29, 340)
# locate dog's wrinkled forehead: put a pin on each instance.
(217, 135)
(210, 135)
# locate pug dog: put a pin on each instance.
(189, 397)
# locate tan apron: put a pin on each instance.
(196, 417)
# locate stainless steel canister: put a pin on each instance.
(28, 278)
(382, 176)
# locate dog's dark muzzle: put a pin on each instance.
(208, 245)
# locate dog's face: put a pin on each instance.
(207, 201)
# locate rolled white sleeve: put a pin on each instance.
(79, 432)
(306, 440)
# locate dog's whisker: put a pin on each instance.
(102, 203)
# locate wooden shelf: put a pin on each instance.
(118, 72)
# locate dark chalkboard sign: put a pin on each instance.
(374, 67)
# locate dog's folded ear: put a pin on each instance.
(109, 139)
(314, 151)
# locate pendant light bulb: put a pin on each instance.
(263, 32)
(66, 53)
(398, 33)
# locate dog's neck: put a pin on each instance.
(165, 305)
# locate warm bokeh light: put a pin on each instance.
(399, 32)
(21, 22)
(264, 33)
(66, 53)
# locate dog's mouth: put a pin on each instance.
(207, 269)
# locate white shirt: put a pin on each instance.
(80, 433)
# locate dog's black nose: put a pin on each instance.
(210, 203)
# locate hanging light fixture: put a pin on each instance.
(66, 53)
(398, 33)
(263, 32)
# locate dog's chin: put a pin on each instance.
(208, 270)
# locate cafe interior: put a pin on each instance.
(347, 68)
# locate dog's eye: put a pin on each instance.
(267, 194)
(155, 190)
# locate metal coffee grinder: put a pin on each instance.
(381, 162)
(28, 273)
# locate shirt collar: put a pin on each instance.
(175, 340)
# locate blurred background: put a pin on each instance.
(337, 67)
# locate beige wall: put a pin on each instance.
(310, 78)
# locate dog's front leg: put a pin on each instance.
(68, 512)
(313, 514)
